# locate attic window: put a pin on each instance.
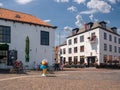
(17, 16)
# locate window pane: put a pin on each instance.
(81, 38)
(5, 34)
(44, 38)
(105, 36)
(81, 48)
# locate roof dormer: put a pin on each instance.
(103, 24)
(17, 16)
(114, 29)
(74, 31)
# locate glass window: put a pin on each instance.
(44, 38)
(110, 37)
(75, 40)
(75, 49)
(5, 34)
(60, 51)
(110, 47)
(82, 59)
(119, 40)
(105, 47)
(70, 50)
(105, 58)
(115, 39)
(119, 49)
(115, 48)
(105, 36)
(64, 51)
(75, 59)
(81, 48)
(82, 38)
(70, 60)
(69, 42)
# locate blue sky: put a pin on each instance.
(68, 13)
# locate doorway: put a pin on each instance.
(91, 61)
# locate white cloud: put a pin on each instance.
(79, 1)
(91, 17)
(47, 20)
(23, 1)
(108, 22)
(88, 11)
(63, 1)
(79, 21)
(72, 9)
(99, 5)
(95, 6)
(118, 31)
(112, 1)
(1, 4)
(67, 28)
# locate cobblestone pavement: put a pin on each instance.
(69, 79)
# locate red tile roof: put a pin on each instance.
(11, 15)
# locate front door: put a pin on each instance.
(91, 61)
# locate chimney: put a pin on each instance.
(88, 25)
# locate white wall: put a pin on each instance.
(19, 32)
(102, 52)
(95, 49)
(88, 47)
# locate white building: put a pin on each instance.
(93, 43)
(15, 27)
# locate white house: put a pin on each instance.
(93, 43)
(14, 28)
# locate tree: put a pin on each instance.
(27, 47)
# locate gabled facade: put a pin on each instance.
(15, 27)
(94, 43)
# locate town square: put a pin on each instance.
(68, 79)
(59, 45)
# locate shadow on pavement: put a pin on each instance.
(7, 71)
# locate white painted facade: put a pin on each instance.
(92, 49)
(19, 32)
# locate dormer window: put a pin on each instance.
(88, 25)
(17, 16)
(103, 24)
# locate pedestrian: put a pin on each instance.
(62, 66)
(21, 66)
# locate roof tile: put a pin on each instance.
(21, 17)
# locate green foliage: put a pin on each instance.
(27, 48)
(4, 46)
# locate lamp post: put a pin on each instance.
(65, 29)
(61, 30)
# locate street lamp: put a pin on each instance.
(65, 29)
